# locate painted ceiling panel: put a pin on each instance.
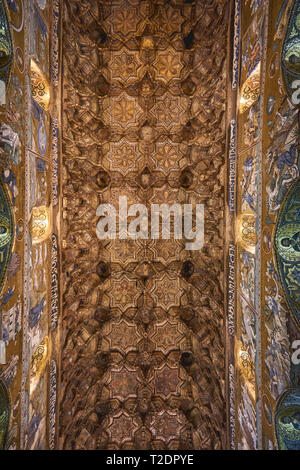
(143, 353)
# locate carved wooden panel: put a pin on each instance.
(143, 360)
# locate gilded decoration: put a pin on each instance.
(39, 86)
(145, 120)
(287, 419)
(142, 343)
(40, 224)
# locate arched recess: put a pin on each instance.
(290, 56)
(5, 411)
(6, 45)
(287, 420)
(287, 247)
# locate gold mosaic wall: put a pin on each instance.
(267, 168)
(29, 296)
